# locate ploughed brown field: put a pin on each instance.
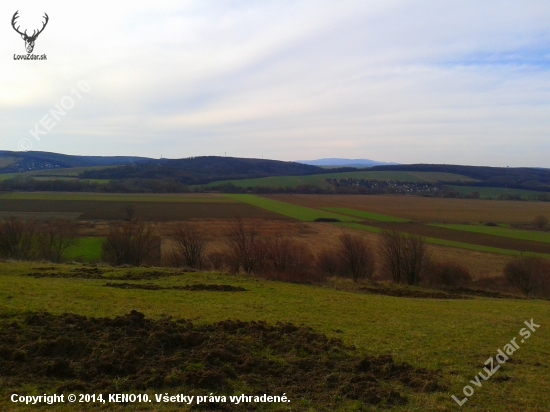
(152, 211)
(466, 237)
(428, 210)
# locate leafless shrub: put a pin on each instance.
(328, 263)
(289, 260)
(540, 222)
(133, 243)
(447, 274)
(529, 275)
(189, 246)
(246, 251)
(356, 256)
(405, 258)
(17, 239)
(217, 260)
(54, 238)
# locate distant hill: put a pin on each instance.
(16, 162)
(337, 162)
(528, 178)
(205, 169)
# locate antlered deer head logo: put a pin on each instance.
(29, 40)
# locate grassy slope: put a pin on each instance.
(319, 180)
(533, 235)
(458, 340)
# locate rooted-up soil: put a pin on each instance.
(194, 287)
(96, 273)
(131, 353)
(408, 293)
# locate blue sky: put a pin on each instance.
(462, 82)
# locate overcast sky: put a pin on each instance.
(463, 82)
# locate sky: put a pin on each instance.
(456, 82)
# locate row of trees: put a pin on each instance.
(26, 240)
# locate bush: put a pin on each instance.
(245, 249)
(290, 260)
(529, 275)
(356, 257)
(132, 243)
(189, 246)
(405, 258)
(447, 274)
(54, 238)
(17, 239)
(328, 263)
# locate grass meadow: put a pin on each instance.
(453, 336)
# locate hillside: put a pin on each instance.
(17, 162)
(338, 162)
(528, 178)
(205, 169)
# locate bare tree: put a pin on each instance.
(527, 274)
(54, 238)
(246, 250)
(289, 259)
(405, 257)
(17, 239)
(133, 243)
(415, 259)
(356, 256)
(391, 251)
(190, 245)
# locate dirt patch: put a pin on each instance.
(97, 273)
(483, 293)
(408, 293)
(194, 287)
(131, 353)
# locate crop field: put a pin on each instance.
(536, 236)
(86, 249)
(444, 352)
(320, 180)
(116, 197)
(152, 211)
(495, 192)
(365, 215)
(428, 210)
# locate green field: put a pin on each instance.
(365, 215)
(320, 180)
(495, 192)
(304, 214)
(86, 249)
(457, 340)
(536, 236)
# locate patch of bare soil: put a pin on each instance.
(131, 353)
(483, 293)
(97, 273)
(408, 293)
(194, 287)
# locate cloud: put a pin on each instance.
(423, 81)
